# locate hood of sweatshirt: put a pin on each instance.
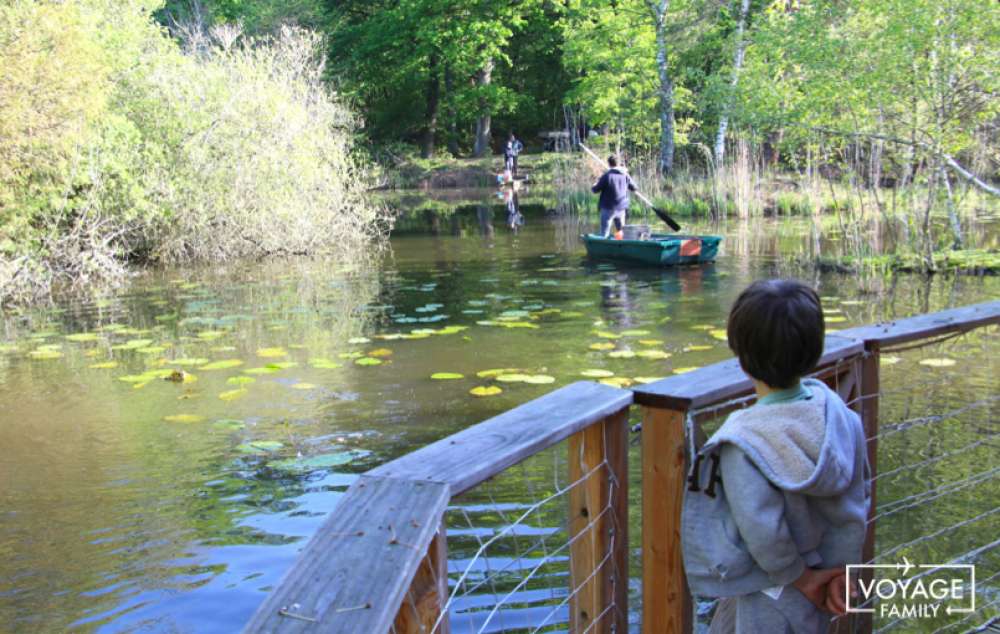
(806, 446)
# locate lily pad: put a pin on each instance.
(512, 378)
(210, 335)
(938, 363)
(151, 350)
(380, 352)
(324, 364)
(224, 364)
(282, 365)
(888, 360)
(621, 354)
(651, 342)
(647, 379)
(45, 354)
(604, 334)
(133, 344)
(230, 424)
(232, 395)
(835, 320)
(720, 334)
(368, 361)
(602, 346)
(264, 370)
(697, 348)
(188, 361)
(447, 376)
(634, 333)
(82, 337)
(653, 354)
(240, 380)
(359, 340)
(597, 374)
(260, 446)
(350, 355)
(322, 461)
(104, 365)
(485, 390)
(685, 370)
(184, 418)
(618, 381)
(304, 386)
(487, 374)
(269, 353)
(540, 379)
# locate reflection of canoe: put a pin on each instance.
(658, 250)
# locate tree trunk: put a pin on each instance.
(741, 47)
(433, 103)
(452, 124)
(666, 89)
(483, 121)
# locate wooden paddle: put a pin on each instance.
(638, 194)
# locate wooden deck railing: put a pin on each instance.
(386, 541)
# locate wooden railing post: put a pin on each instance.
(666, 601)
(428, 593)
(598, 526)
(870, 387)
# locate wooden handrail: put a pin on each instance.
(925, 326)
(478, 453)
(356, 571)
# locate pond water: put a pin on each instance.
(131, 502)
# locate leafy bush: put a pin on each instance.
(116, 146)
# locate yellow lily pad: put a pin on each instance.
(184, 418)
(271, 353)
(618, 381)
(240, 380)
(835, 320)
(602, 346)
(485, 390)
(304, 386)
(380, 353)
(653, 354)
(512, 378)
(621, 354)
(368, 361)
(603, 334)
(232, 395)
(597, 374)
(938, 363)
(634, 333)
(104, 365)
(224, 364)
(686, 370)
(82, 337)
(45, 354)
(720, 334)
(447, 376)
(647, 379)
(487, 374)
(651, 342)
(697, 348)
(539, 379)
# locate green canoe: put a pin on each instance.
(658, 250)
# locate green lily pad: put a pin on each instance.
(597, 374)
(240, 380)
(186, 361)
(151, 350)
(359, 340)
(322, 461)
(488, 374)
(447, 376)
(697, 348)
(260, 446)
(368, 361)
(230, 424)
(540, 379)
(103, 365)
(82, 337)
(263, 370)
(133, 344)
(621, 354)
(224, 364)
(653, 354)
(210, 335)
(602, 346)
(512, 378)
(45, 354)
(324, 364)
(304, 386)
(350, 355)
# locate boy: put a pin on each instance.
(778, 497)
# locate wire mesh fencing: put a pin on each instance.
(937, 478)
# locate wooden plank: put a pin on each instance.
(929, 325)
(666, 601)
(428, 593)
(352, 575)
(471, 456)
(598, 526)
(723, 381)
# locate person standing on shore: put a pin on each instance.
(613, 186)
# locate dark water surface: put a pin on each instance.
(132, 503)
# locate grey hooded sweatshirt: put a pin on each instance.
(776, 489)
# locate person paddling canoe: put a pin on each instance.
(613, 186)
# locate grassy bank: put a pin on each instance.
(122, 146)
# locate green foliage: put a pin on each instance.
(134, 151)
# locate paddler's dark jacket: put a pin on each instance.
(613, 186)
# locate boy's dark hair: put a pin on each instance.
(612, 161)
(776, 329)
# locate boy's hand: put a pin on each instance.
(836, 595)
(813, 584)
